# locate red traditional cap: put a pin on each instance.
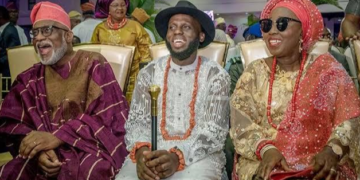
(49, 11)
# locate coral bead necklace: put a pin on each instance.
(115, 26)
(164, 132)
(293, 99)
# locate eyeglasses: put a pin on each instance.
(118, 5)
(45, 31)
(281, 24)
(325, 36)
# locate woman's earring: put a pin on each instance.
(300, 45)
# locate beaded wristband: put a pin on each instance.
(264, 149)
(137, 146)
(180, 155)
(260, 146)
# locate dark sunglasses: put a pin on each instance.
(281, 24)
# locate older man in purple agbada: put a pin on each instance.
(64, 117)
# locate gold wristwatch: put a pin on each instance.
(336, 149)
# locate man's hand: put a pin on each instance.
(325, 164)
(37, 141)
(49, 163)
(270, 160)
(164, 162)
(350, 27)
(144, 172)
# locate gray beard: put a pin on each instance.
(193, 46)
(56, 55)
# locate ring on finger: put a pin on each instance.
(163, 167)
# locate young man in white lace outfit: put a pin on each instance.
(191, 137)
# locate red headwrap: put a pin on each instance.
(88, 6)
(49, 11)
(11, 5)
(307, 12)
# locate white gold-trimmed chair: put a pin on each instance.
(20, 59)
(216, 51)
(256, 49)
(120, 58)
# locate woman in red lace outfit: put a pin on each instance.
(298, 109)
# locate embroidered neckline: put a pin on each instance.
(293, 99)
(164, 132)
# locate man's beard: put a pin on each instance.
(193, 46)
(56, 55)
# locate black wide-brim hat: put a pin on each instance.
(185, 7)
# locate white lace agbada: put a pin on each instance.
(212, 110)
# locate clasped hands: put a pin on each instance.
(42, 143)
(324, 163)
(155, 165)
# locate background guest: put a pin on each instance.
(350, 25)
(86, 28)
(141, 16)
(231, 33)
(8, 38)
(117, 29)
(75, 18)
(14, 16)
(341, 58)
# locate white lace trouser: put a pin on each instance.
(201, 170)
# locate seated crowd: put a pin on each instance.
(294, 115)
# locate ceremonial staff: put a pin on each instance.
(154, 91)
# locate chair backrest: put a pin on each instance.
(232, 52)
(253, 50)
(256, 49)
(20, 59)
(119, 57)
(216, 51)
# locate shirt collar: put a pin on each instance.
(186, 67)
(3, 27)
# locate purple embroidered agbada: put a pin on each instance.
(82, 104)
